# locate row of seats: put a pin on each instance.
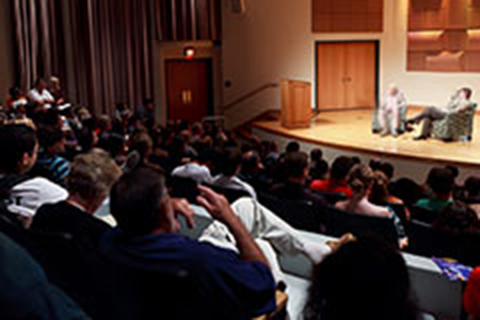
(308, 216)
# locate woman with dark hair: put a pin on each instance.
(364, 279)
(457, 218)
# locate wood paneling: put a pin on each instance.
(347, 15)
(296, 104)
(441, 33)
(346, 75)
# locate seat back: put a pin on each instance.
(302, 215)
(332, 197)
(428, 241)
(422, 214)
(232, 195)
(340, 222)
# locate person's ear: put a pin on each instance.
(26, 160)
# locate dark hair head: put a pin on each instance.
(364, 279)
(48, 137)
(319, 170)
(135, 200)
(316, 155)
(231, 160)
(250, 162)
(292, 146)
(407, 190)
(468, 92)
(454, 170)
(356, 160)
(15, 141)
(457, 218)
(295, 164)
(14, 92)
(388, 169)
(440, 181)
(341, 167)
(472, 186)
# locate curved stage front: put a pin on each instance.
(349, 132)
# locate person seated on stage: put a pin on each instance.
(229, 170)
(364, 279)
(440, 184)
(361, 180)
(389, 111)
(40, 96)
(460, 101)
(222, 284)
(294, 187)
(89, 182)
(336, 183)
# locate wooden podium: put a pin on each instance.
(296, 104)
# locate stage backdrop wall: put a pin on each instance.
(7, 60)
(273, 41)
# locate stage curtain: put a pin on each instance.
(38, 38)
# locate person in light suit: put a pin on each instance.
(389, 111)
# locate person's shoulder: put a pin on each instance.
(318, 184)
(42, 184)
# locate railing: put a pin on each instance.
(250, 95)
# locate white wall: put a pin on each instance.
(274, 41)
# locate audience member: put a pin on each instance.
(407, 190)
(221, 284)
(294, 188)
(25, 195)
(91, 177)
(252, 171)
(440, 183)
(26, 292)
(50, 163)
(361, 180)
(380, 194)
(364, 279)
(471, 298)
(336, 183)
(229, 170)
(40, 96)
(457, 218)
(196, 169)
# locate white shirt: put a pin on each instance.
(27, 197)
(40, 98)
(195, 171)
(234, 183)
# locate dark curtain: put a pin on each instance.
(103, 49)
(38, 34)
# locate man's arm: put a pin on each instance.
(220, 209)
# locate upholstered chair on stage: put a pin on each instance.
(403, 117)
(456, 126)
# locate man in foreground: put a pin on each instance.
(156, 272)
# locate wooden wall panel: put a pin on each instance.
(458, 23)
(347, 15)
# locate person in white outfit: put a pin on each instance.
(389, 112)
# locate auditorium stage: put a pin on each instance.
(350, 132)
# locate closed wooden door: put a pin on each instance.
(189, 89)
(346, 75)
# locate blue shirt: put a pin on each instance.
(179, 278)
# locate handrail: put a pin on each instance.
(250, 95)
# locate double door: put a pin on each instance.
(347, 75)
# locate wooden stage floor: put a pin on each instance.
(351, 130)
